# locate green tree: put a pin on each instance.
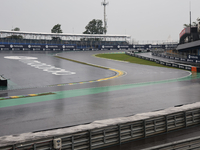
(16, 29)
(18, 37)
(56, 29)
(94, 27)
(193, 24)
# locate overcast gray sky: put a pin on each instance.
(142, 19)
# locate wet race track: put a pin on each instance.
(83, 93)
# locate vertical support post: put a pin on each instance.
(72, 142)
(90, 140)
(193, 117)
(190, 26)
(166, 123)
(175, 121)
(119, 130)
(132, 131)
(185, 116)
(34, 147)
(104, 136)
(13, 147)
(144, 126)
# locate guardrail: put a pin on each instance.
(176, 57)
(188, 144)
(166, 63)
(100, 137)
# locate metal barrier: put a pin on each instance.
(116, 134)
(188, 144)
(167, 63)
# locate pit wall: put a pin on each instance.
(104, 133)
(166, 63)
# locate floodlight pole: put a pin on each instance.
(105, 20)
(190, 23)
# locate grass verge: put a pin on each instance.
(131, 59)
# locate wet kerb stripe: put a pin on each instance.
(88, 91)
(25, 96)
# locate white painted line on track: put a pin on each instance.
(31, 61)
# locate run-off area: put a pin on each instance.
(40, 70)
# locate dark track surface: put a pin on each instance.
(75, 110)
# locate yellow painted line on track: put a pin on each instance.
(32, 94)
(25, 96)
(119, 73)
(14, 96)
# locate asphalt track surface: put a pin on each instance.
(142, 89)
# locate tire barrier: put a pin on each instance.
(104, 133)
(166, 63)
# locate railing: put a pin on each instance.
(188, 144)
(115, 134)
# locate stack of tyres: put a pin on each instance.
(162, 62)
(181, 66)
(188, 67)
(168, 64)
(157, 61)
(175, 65)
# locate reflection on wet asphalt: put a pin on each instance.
(142, 89)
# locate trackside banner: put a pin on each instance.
(46, 47)
(30, 47)
(191, 58)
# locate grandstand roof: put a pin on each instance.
(67, 34)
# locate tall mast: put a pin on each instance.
(190, 23)
(105, 20)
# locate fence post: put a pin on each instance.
(144, 126)
(72, 142)
(192, 117)
(34, 146)
(175, 120)
(104, 136)
(119, 130)
(185, 116)
(166, 123)
(90, 140)
(154, 125)
(131, 131)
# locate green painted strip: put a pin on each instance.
(89, 91)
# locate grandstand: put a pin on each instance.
(19, 40)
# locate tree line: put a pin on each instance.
(95, 26)
(195, 23)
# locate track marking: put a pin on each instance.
(32, 61)
(88, 91)
(25, 96)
